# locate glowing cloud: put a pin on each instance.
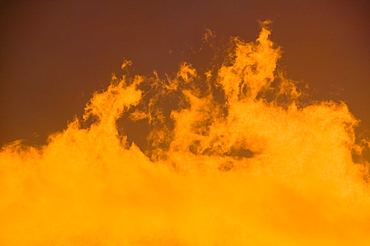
(232, 158)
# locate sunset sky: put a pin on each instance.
(55, 54)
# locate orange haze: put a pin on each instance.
(233, 157)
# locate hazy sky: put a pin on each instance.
(55, 54)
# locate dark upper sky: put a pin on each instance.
(55, 54)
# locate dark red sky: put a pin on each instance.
(55, 54)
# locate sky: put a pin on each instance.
(55, 54)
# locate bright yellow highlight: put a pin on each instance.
(232, 158)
